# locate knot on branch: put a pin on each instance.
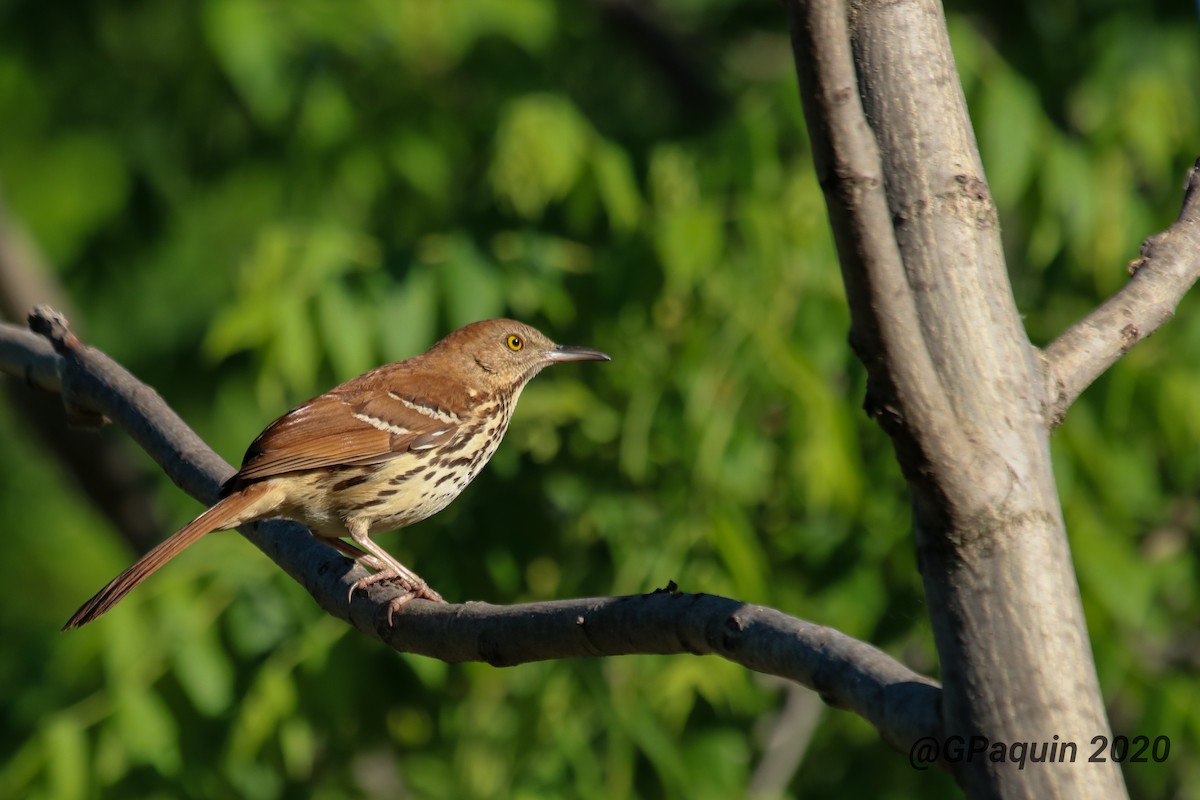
(45, 321)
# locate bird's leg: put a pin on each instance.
(413, 584)
(366, 559)
(383, 572)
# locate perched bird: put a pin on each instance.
(382, 451)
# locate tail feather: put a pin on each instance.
(226, 513)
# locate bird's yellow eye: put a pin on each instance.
(514, 342)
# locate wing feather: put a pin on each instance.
(345, 428)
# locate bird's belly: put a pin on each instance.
(396, 493)
(388, 503)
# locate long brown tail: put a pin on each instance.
(226, 513)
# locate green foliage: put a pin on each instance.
(250, 201)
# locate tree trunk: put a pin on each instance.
(955, 382)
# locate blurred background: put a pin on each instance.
(246, 202)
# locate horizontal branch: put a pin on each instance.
(848, 673)
(1168, 267)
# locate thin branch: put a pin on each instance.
(786, 743)
(848, 673)
(1168, 267)
(30, 358)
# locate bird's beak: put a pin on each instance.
(566, 352)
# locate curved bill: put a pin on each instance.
(567, 352)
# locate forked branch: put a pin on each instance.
(1168, 267)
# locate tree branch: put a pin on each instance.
(848, 673)
(1168, 267)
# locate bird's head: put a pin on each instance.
(504, 353)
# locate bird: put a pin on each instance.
(381, 451)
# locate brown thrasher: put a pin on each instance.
(381, 451)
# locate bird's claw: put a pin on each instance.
(412, 589)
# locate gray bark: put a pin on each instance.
(953, 379)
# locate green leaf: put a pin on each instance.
(148, 729)
(408, 314)
(250, 44)
(470, 283)
(270, 699)
(540, 151)
(327, 117)
(204, 671)
(618, 187)
(66, 750)
(689, 242)
(1011, 130)
(293, 352)
(740, 553)
(346, 328)
(65, 189)
(422, 163)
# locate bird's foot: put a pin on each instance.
(412, 588)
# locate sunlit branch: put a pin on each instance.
(1168, 266)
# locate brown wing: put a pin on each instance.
(345, 427)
